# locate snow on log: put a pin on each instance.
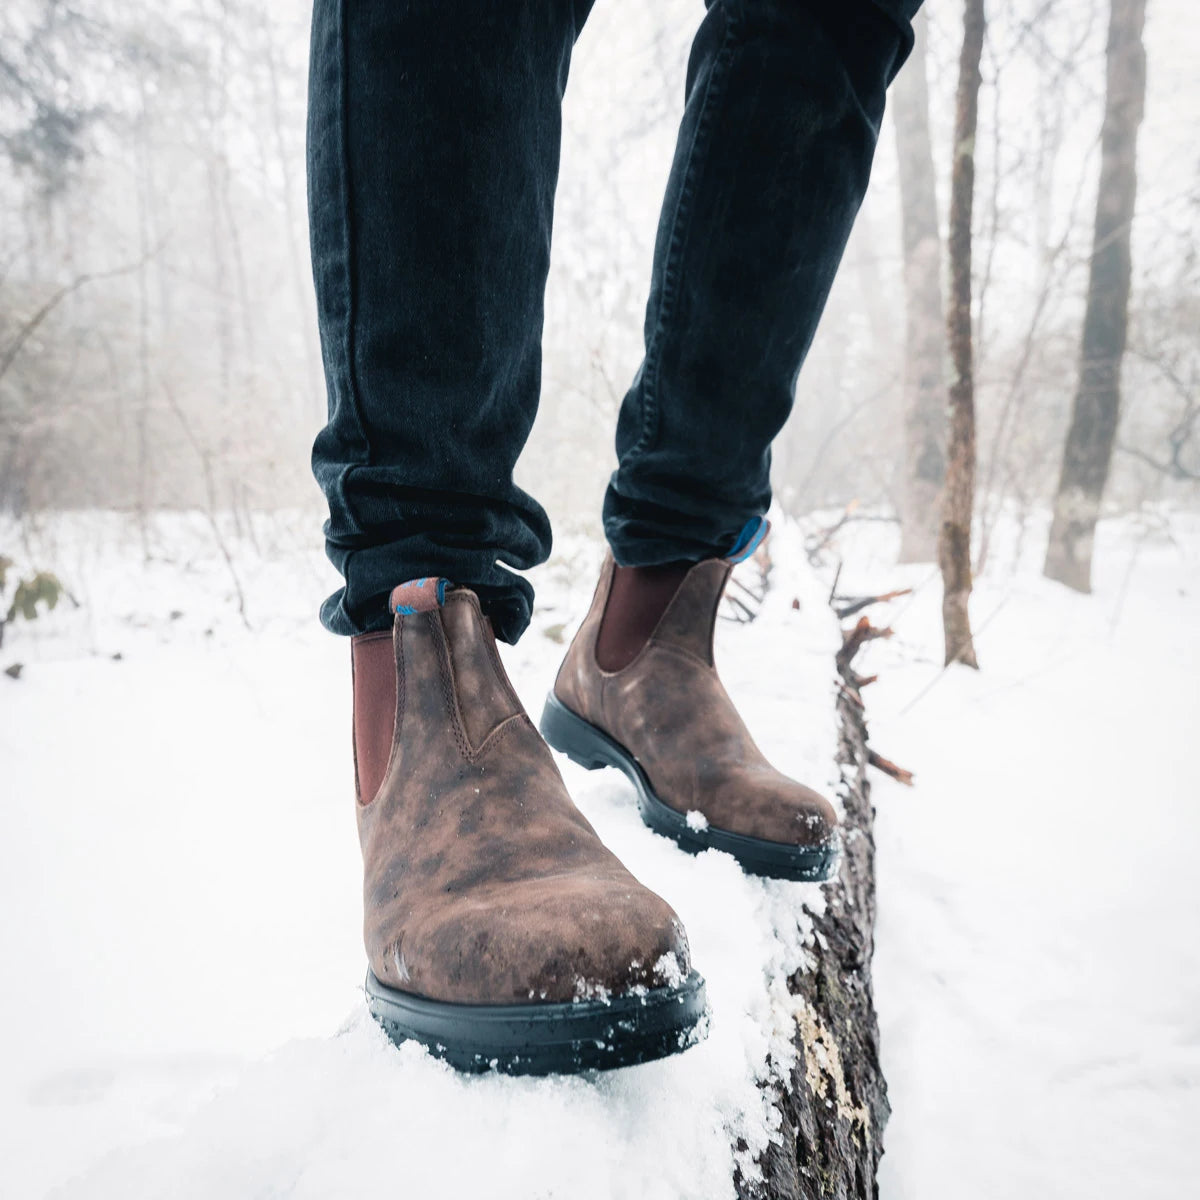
(833, 1102)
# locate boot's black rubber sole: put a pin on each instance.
(592, 748)
(547, 1039)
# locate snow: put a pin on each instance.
(184, 1014)
(182, 1011)
(1037, 968)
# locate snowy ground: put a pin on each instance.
(1038, 963)
(181, 1014)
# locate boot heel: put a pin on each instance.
(573, 736)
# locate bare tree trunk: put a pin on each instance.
(954, 545)
(862, 258)
(1092, 433)
(216, 166)
(145, 200)
(925, 331)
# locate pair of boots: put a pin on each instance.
(501, 932)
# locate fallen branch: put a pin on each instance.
(854, 604)
(889, 768)
(863, 632)
(816, 542)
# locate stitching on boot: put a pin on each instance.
(712, 620)
(497, 664)
(445, 673)
(712, 615)
(685, 654)
(579, 662)
(398, 719)
(599, 604)
(498, 734)
(470, 752)
(353, 726)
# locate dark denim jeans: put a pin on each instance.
(433, 149)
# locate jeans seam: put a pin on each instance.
(679, 231)
(347, 213)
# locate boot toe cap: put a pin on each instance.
(546, 941)
(770, 806)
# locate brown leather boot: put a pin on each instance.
(667, 722)
(500, 930)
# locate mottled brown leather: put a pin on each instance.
(483, 882)
(669, 709)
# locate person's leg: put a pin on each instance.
(784, 101)
(499, 929)
(783, 106)
(433, 149)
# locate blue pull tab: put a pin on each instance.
(749, 539)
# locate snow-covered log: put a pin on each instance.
(833, 1103)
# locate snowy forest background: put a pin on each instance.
(157, 333)
(180, 960)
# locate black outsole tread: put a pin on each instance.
(592, 748)
(546, 1039)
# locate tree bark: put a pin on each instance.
(833, 1105)
(954, 545)
(925, 332)
(1087, 455)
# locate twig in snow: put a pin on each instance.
(210, 491)
(864, 631)
(858, 603)
(899, 774)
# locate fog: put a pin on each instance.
(158, 343)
